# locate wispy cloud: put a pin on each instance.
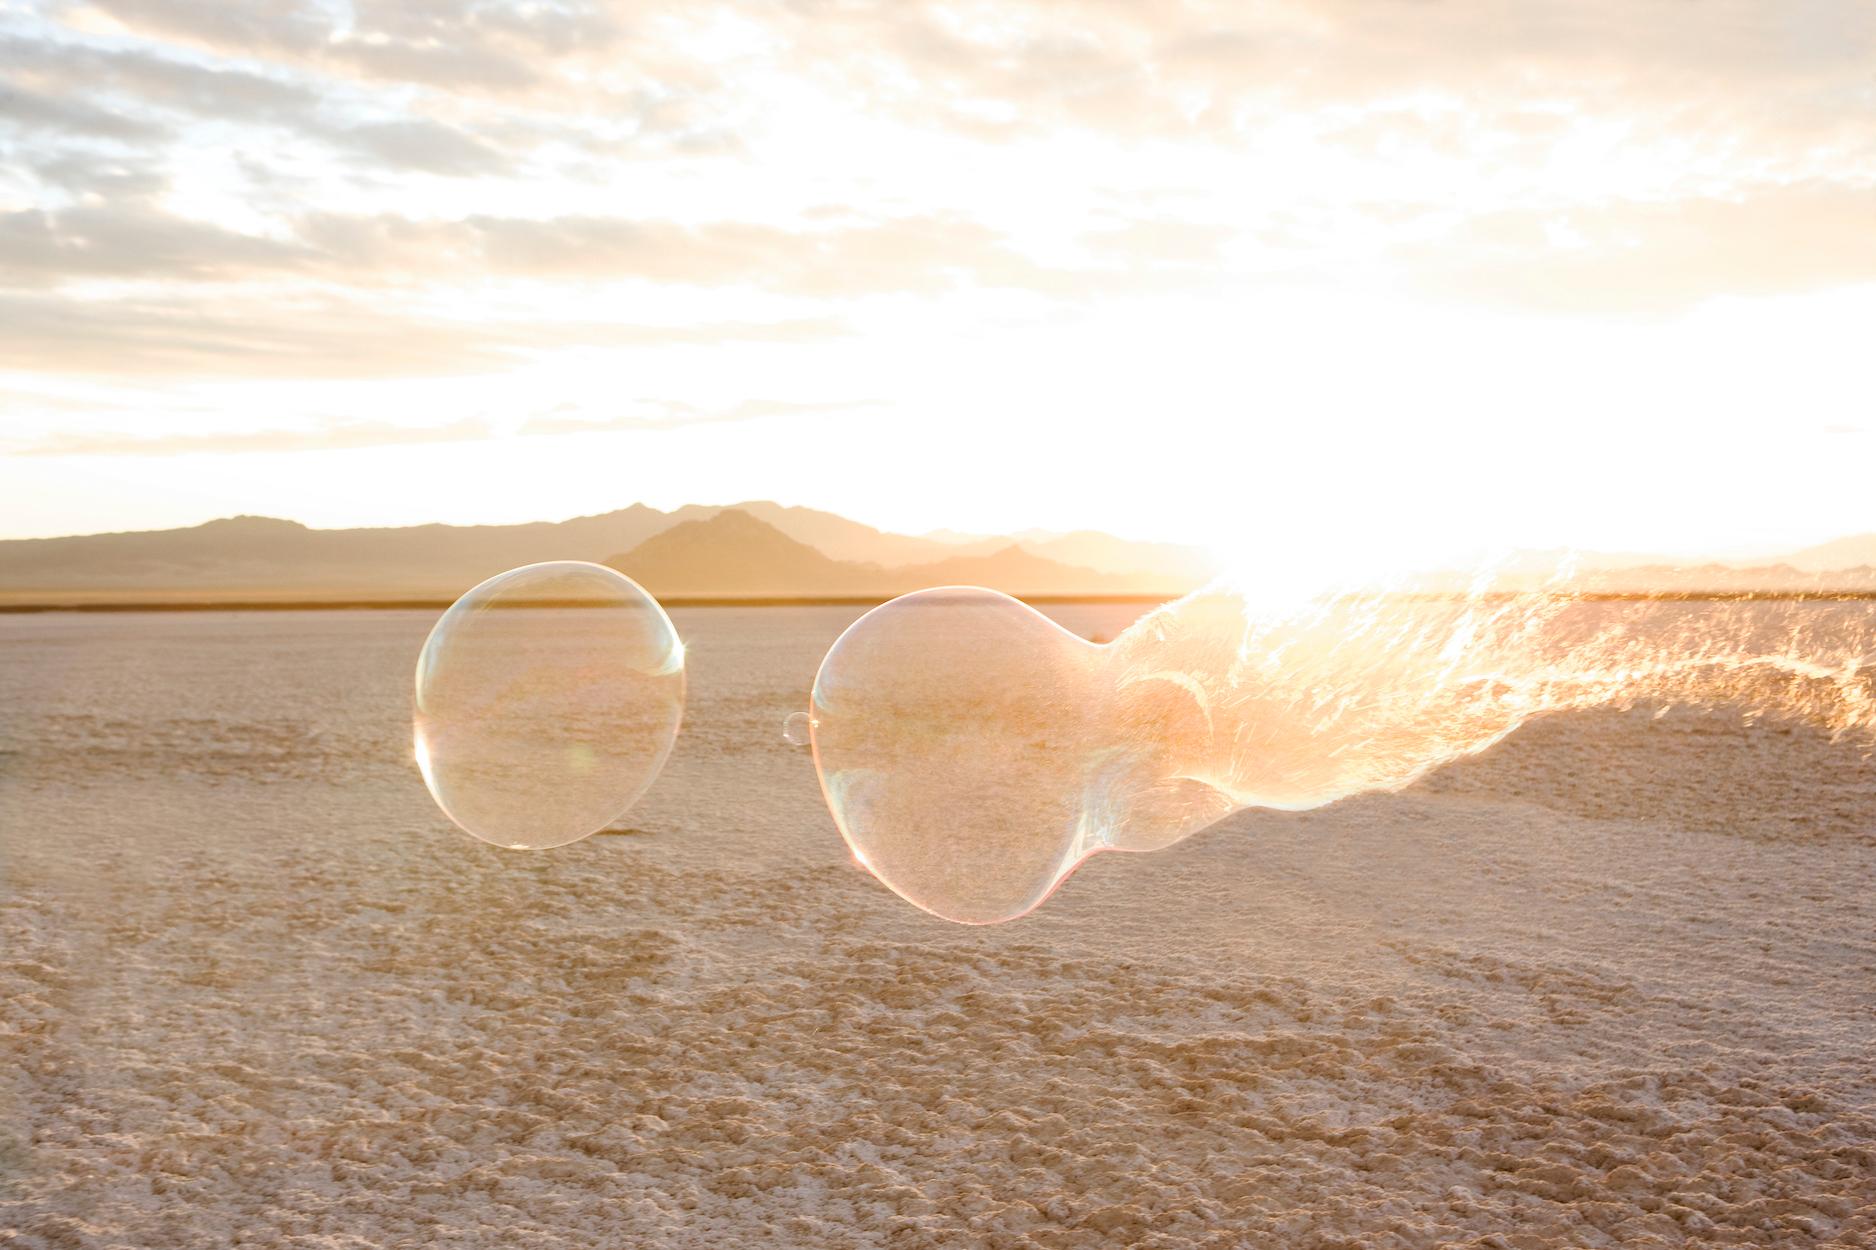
(889, 256)
(339, 434)
(677, 415)
(1652, 257)
(47, 116)
(318, 336)
(168, 335)
(332, 437)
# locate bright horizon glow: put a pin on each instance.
(984, 268)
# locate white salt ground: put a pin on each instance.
(1613, 984)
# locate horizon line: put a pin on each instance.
(816, 601)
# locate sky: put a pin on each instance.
(1311, 277)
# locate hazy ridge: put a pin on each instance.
(748, 550)
(756, 549)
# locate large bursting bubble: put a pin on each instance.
(547, 700)
(973, 753)
(952, 728)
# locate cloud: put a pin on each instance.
(420, 145)
(162, 80)
(1652, 258)
(1617, 256)
(1010, 67)
(451, 44)
(675, 415)
(317, 336)
(342, 434)
(147, 81)
(253, 337)
(27, 109)
(914, 253)
(131, 240)
(1190, 67)
(332, 437)
(81, 174)
(259, 26)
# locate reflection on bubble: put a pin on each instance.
(973, 752)
(547, 700)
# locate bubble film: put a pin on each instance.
(547, 700)
(973, 752)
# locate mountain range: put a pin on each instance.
(749, 550)
(734, 552)
(740, 551)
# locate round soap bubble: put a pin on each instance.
(548, 698)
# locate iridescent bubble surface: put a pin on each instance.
(973, 753)
(548, 698)
(955, 730)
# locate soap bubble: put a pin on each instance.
(973, 752)
(958, 740)
(547, 700)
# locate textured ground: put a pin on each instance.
(1613, 984)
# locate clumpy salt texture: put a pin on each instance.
(1609, 983)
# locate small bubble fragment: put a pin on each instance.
(797, 729)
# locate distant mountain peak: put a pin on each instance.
(729, 525)
(734, 552)
(735, 518)
(252, 524)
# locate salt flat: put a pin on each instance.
(1611, 984)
